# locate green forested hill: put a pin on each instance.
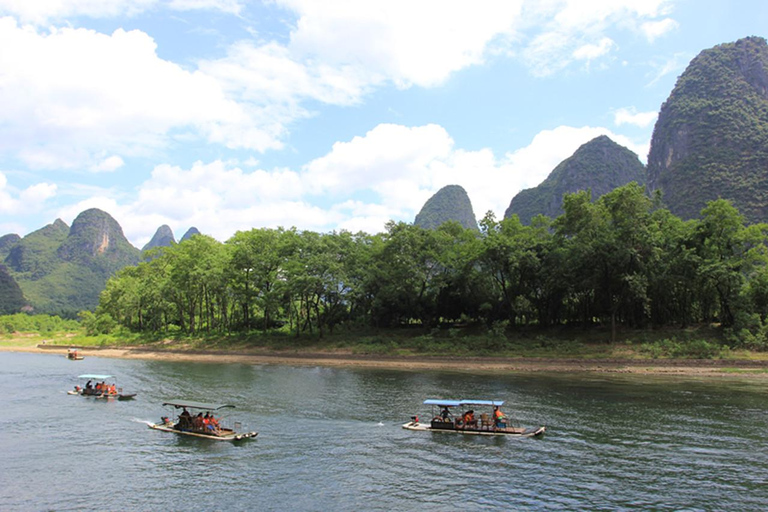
(600, 165)
(63, 270)
(711, 138)
(449, 203)
(34, 256)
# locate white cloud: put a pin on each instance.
(40, 12)
(633, 117)
(593, 51)
(30, 199)
(655, 29)
(408, 42)
(75, 98)
(69, 95)
(227, 6)
(108, 164)
(563, 31)
(388, 153)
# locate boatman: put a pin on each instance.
(499, 418)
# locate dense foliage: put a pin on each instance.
(449, 203)
(600, 165)
(21, 322)
(711, 138)
(618, 261)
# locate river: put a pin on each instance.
(331, 439)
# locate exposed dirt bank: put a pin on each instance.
(691, 367)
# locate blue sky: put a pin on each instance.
(233, 114)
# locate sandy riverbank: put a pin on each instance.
(756, 369)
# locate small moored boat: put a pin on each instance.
(105, 387)
(493, 423)
(208, 426)
(74, 355)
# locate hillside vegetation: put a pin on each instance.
(600, 166)
(711, 137)
(63, 270)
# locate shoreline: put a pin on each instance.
(683, 367)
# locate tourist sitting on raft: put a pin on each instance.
(467, 419)
(207, 424)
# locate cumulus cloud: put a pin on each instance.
(655, 29)
(633, 117)
(386, 154)
(30, 199)
(593, 51)
(407, 42)
(108, 164)
(71, 94)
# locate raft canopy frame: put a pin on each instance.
(191, 404)
(95, 376)
(462, 403)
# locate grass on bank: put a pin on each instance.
(701, 342)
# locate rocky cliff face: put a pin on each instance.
(449, 203)
(711, 138)
(600, 165)
(96, 237)
(163, 237)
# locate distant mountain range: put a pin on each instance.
(62, 270)
(710, 141)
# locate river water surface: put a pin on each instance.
(330, 439)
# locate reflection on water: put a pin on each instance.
(331, 438)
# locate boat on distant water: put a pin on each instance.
(198, 425)
(104, 387)
(74, 355)
(493, 423)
